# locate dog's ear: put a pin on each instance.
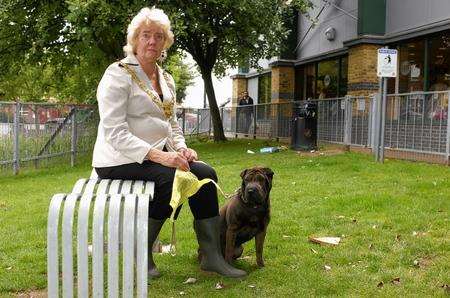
(243, 173)
(269, 174)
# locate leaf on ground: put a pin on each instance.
(396, 281)
(370, 246)
(286, 236)
(165, 249)
(9, 268)
(327, 268)
(314, 251)
(374, 226)
(244, 258)
(190, 280)
(251, 286)
(341, 216)
(182, 293)
(380, 284)
(219, 286)
(325, 240)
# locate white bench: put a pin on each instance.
(120, 204)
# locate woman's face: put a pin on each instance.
(150, 42)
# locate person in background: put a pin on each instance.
(246, 110)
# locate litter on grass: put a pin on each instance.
(325, 240)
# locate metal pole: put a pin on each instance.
(16, 158)
(210, 122)
(254, 121)
(347, 121)
(184, 120)
(73, 149)
(198, 121)
(383, 119)
(447, 148)
(236, 121)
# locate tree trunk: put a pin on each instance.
(213, 108)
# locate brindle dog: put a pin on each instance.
(247, 214)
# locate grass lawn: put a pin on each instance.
(393, 219)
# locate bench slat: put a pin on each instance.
(82, 245)
(126, 187)
(90, 186)
(113, 244)
(142, 238)
(97, 246)
(149, 187)
(103, 186)
(114, 187)
(79, 185)
(128, 244)
(52, 245)
(138, 187)
(67, 250)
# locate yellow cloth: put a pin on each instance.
(185, 185)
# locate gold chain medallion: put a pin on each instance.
(165, 106)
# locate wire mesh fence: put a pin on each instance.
(35, 134)
(416, 123)
(416, 126)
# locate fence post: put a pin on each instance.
(375, 125)
(198, 121)
(447, 149)
(236, 120)
(221, 116)
(16, 158)
(254, 121)
(184, 120)
(348, 122)
(73, 149)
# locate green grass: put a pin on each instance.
(388, 216)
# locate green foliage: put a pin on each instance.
(181, 72)
(375, 208)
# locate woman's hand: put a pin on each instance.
(169, 159)
(189, 154)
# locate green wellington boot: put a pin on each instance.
(207, 231)
(154, 226)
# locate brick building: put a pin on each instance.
(338, 55)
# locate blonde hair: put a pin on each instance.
(147, 16)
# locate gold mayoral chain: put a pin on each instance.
(166, 106)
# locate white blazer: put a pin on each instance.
(130, 122)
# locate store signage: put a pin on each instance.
(387, 63)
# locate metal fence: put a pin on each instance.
(416, 124)
(34, 134)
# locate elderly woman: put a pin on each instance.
(139, 137)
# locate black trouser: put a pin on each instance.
(203, 204)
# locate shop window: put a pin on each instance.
(310, 81)
(411, 66)
(439, 62)
(327, 79)
(343, 80)
(264, 88)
